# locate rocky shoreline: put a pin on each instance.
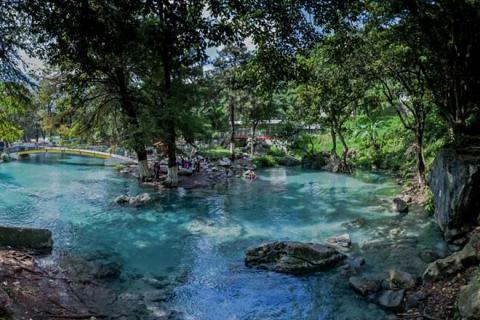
(449, 287)
(212, 173)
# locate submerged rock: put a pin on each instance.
(391, 299)
(26, 238)
(293, 257)
(352, 266)
(355, 223)
(400, 206)
(108, 271)
(139, 200)
(455, 184)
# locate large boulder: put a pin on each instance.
(468, 256)
(293, 257)
(26, 238)
(455, 184)
(468, 300)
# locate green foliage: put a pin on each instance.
(429, 204)
(215, 153)
(276, 152)
(266, 161)
(5, 157)
(308, 144)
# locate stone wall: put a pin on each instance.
(455, 184)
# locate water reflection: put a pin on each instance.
(192, 242)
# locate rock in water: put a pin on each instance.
(293, 257)
(355, 223)
(139, 200)
(365, 286)
(343, 241)
(26, 238)
(391, 299)
(123, 199)
(400, 206)
(455, 184)
(401, 280)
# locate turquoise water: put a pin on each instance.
(194, 240)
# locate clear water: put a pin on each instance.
(199, 237)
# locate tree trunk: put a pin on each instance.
(172, 170)
(344, 145)
(420, 158)
(129, 110)
(143, 171)
(252, 145)
(334, 141)
(232, 136)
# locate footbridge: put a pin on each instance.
(110, 158)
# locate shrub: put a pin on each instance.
(429, 205)
(215, 153)
(5, 157)
(265, 161)
(276, 152)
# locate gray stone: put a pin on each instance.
(352, 266)
(139, 200)
(455, 184)
(355, 223)
(468, 256)
(391, 299)
(293, 257)
(26, 238)
(400, 206)
(413, 299)
(401, 280)
(468, 300)
(5, 303)
(343, 240)
(123, 199)
(365, 286)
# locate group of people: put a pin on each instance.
(250, 174)
(187, 163)
(194, 164)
